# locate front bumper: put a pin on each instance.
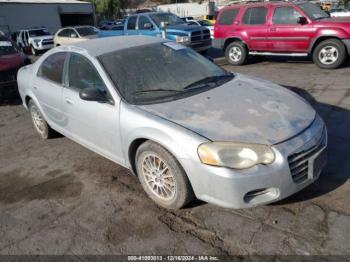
(200, 45)
(347, 44)
(261, 184)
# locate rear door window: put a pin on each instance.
(132, 23)
(52, 67)
(255, 16)
(227, 17)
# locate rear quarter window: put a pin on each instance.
(255, 16)
(227, 17)
(52, 67)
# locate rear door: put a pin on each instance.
(253, 27)
(285, 34)
(48, 85)
(93, 124)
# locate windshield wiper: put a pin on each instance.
(157, 90)
(209, 80)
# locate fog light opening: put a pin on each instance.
(261, 195)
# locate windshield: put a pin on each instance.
(168, 18)
(38, 32)
(85, 31)
(313, 11)
(6, 47)
(161, 72)
(205, 23)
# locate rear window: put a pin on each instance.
(228, 16)
(255, 16)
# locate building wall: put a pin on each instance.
(16, 16)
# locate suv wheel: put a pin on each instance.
(329, 54)
(41, 126)
(236, 53)
(162, 177)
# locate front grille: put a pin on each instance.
(299, 162)
(47, 42)
(200, 35)
(206, 34)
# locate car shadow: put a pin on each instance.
(336, 172)
(9, 95)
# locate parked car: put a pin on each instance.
(339, 12)
(35, 40)
(289, 29)
(152, 24)
(187, 18)
(11, 59)
(75, 34)
(204, 23)
(184, 125)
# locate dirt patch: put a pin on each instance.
(16, 187)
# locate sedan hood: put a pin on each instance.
(245, 109)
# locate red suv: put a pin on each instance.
(287, 29)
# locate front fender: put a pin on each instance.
(139, 124)
(324, 33)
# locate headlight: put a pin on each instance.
(235, 155)
(37, 41)
(182, 39)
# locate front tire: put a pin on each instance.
(41, 126)
(329, 54)
(236, 53)
(162, 177)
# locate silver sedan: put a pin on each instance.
(186, 127)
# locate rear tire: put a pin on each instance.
(162, 177)
(329, 54)
(40, 124)
(236, 53)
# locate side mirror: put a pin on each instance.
(94, 94)
(302, 20)
(73, 36)
(147, 26)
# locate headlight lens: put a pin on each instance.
(37, 41)
(182, 39)
(235, 155)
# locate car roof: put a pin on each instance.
(279, 3)
(104, 45)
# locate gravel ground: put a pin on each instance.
(57, 197)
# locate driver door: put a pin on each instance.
(146, 27)
(93, 124)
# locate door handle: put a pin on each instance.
(273, 29)
(35, 87)
(68, 101)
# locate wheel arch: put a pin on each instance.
(320, 39)
(234, 39)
